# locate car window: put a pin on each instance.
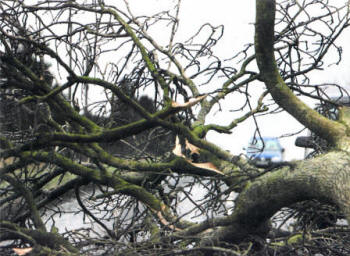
(255, 146)
(258, 145)
(271, 145)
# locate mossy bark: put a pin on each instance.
(329, 130)
(325, 178)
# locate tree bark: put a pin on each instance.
(325, 178)
(331, 131)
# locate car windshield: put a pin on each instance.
(268, 145)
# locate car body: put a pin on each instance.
(265, 151)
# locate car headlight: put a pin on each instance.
(276, 159)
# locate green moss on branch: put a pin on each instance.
(331, 131)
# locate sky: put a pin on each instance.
(238, 19)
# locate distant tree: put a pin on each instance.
(147, 157)
(20, 120)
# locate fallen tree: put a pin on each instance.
(136, 199)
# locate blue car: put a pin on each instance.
(265, 152)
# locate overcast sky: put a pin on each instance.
(238, 19)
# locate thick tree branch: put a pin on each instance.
(36, 237)
(325, 178)
(264, 46)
